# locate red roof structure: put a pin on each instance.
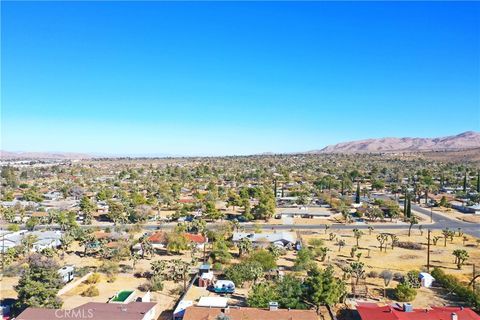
(197, 238)
(158, 237)
(370, 311)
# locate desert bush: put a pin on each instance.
(409, 245)
(397, 276)
(372, 274)
(111, 278)
(80, 272)
(144, 287)
(93, 278)
(157, 284)
(91, 291)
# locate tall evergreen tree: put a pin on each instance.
(465, 182)
(357, 196)
(39, 284)
(409, 208)
(478, 181)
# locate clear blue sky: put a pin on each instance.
(234, 78)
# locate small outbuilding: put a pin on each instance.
(426, 279)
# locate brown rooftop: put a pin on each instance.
(237, 313)
(92, 311)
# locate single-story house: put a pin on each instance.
(371, 311)
(94, 311)
(305, 214)
(196, 239)
(282, 239)
(240, 313)
(45, 239)
(460, 206)
(53, 195)
(158, 239)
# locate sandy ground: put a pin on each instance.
(399, 259)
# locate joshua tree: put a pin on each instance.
(413, 221)
(370, 229)
(327, 226)
(146, 246)
(460, 257)
(332, 236)
(357, 271)
(244, 246)
(446, 234)
(465, 239)
(394, 239)
(460, 232)
(353, 250)
(382, 239)
(357, 234)
(435, 240)
(340, 244)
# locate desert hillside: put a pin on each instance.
(466, 140)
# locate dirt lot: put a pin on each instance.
(398, 260)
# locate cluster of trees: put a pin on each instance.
(451, 283)
(320, 287)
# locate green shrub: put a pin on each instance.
(404, 292)
(217, 266)
(452, 284)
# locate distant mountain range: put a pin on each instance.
(466, 140)
(42, 155)
(462, 141)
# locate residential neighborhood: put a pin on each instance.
(240, 160)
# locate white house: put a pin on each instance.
(282, 239)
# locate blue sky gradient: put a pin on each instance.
(220, 78)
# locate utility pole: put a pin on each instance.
(428, 252)
(473, 277)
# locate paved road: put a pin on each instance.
(439, 222)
